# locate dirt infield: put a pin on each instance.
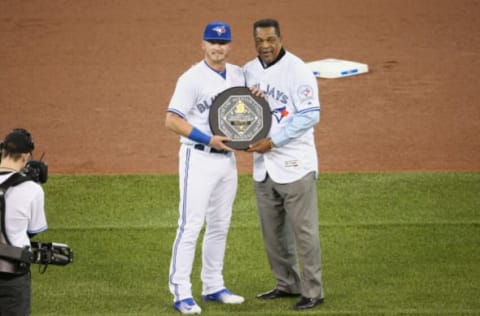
(92, 79)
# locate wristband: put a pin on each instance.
(198, 136)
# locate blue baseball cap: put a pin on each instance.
(217, 31)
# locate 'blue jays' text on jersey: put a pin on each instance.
(195, 91)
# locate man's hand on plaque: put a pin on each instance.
(257, 92)
(261, 146)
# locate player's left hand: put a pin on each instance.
(218, 142)
(261, 146)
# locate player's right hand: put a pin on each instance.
(257, 92)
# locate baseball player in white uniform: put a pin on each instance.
(207, 173)
(23, 218)
(286, 168)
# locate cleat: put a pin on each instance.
(224, 296)
(187, 306)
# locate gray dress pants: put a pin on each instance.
(289, 221)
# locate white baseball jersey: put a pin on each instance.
(290, 88)
(207, 183)
(24, 211)
(195, 91)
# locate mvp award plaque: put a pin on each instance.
(240, 115)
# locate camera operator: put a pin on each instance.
(23, 217)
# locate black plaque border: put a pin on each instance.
(221, 98)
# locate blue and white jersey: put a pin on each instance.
(291, 89)
(195, 91)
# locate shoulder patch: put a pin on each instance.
(305, 92)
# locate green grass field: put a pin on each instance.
(392, 243)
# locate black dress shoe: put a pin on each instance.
(306, 303)
(276, 293)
